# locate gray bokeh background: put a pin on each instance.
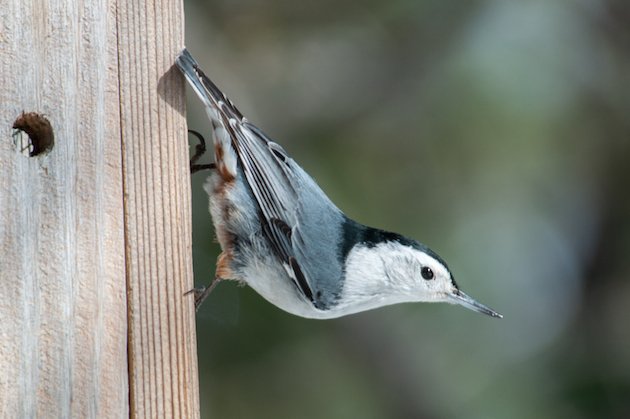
(496, 132)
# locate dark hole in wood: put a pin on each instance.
(32, 134)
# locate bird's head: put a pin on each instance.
(393, 269)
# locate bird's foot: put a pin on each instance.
(201, 293)
(200, 150)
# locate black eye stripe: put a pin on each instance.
(427, 273)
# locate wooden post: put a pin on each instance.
(95, 235)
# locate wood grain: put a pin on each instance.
(162, 357)
(95, 235)
(63, 310)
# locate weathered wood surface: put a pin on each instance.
(95, 235)
(162, 345)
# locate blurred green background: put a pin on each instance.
(496, 132)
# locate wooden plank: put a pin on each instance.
(162, 345)
(63, 304)
(95, 235)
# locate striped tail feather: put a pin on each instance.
(220, 110)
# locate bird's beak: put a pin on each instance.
(460, 298)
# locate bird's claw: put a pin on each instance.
(200, 150)
(201, 293)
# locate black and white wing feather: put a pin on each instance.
(297, 218)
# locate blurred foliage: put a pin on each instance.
(496, 132)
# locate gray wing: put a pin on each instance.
(301, 224)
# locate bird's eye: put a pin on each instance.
(427, 273)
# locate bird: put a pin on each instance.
(281, 235)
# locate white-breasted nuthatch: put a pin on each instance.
(281, 235)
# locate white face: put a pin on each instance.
(414, 274)
(391, 273)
